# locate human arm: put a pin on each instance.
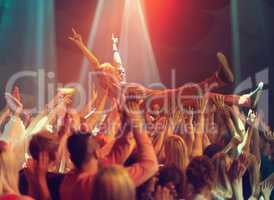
(188, 129)
(197, 150)
(161, 127)
(77, 39)
(237, 170)
(116, 56)
(147, 165)
(226, 113)
(96, 117)
(88, 107)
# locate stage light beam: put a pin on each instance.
(126, 20)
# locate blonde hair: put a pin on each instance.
(9, 170)
(113, 183)
(176, 153)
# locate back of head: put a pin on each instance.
(8, 170)
(81, 147)
(172, 175)
(113, 183)
(43, 141)
(176, 152)
(200, 173)
(212, 149)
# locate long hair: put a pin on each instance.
(176, 153)
(9, 170)
(113, 183)
(223, 186)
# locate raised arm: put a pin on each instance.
(97, 115)
(188, 127)
(77, 39)
(200, 129)
(147, 166)
(161, 127)
(117, 60)
(225, 110)
(116, 56)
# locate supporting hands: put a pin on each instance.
(176, 118)
(201, 104)
(219, 102)
(134, 114)
(188, 115)
(187, 121)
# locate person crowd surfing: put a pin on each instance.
(182, 143)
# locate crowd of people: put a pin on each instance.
(134, 143)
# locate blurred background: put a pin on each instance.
(167, 41)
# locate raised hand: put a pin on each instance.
(16, 93)
(201, 104)
(176, 117)
(76, 37)
(115, 40)
(266, 189)
(135, 115)
(188, 115)
(269, 135)
(219, 102)
(254, 118)
(161, 125)
(13, 103)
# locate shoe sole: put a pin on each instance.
(224, 64)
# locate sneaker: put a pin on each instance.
(256, 95)
(225, 72)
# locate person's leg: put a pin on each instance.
(228, 99)
(233, 99)
(247, 100)
(219, 79)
